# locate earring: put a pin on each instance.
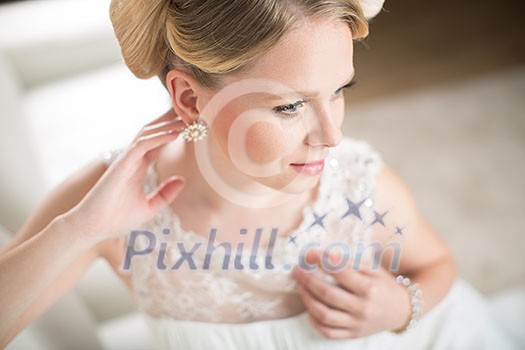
(195, 131)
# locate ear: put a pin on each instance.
(184, 91)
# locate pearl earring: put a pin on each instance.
(195, 131)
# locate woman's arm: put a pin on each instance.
(69, 231)
(425, 256)
(367, 299)
(46, 257)
(28, 269)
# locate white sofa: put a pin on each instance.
(66, 96)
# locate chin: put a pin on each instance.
(291, 183)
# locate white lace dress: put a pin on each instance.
(196, 301)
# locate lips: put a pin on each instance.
(310, 168)
(313, 163)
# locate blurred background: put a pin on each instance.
(439, 93)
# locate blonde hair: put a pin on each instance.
(210, 39)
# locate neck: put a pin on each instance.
(239, 195)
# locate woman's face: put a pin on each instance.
(260, 133)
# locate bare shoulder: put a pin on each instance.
(405, 227)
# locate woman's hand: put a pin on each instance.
(365, 300)
(117, 203)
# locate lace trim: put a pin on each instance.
(283, 252)
(218, 295)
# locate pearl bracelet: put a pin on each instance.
(416, 302)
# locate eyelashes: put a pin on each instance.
(280, 109)
(284, 110)
(350, 84)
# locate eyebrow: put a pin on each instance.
(306, 95)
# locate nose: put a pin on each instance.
(325, 131)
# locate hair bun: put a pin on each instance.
(139, 27)
(214, 38)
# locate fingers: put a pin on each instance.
(165, 193)
(356, 281)
(147, 143)
(169, 115)
(162, 126)
(331, 332)
(329, 294)
(153, 135)
(331, 323)
(324, 314)
(168, 123)
(175, 124)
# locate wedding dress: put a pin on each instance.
(222, 306)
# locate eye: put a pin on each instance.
(289, 111)
(350, 84)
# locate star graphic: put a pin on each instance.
(379, 218)
(353, 208)
(318, 220)
(399, 230)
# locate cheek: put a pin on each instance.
(266, 142)
(221, 126)
(262, 141)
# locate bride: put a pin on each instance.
(248, 169)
